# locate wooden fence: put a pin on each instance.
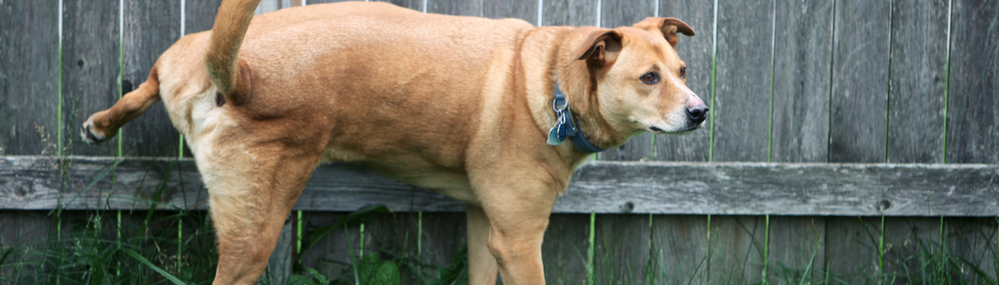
(826, 118)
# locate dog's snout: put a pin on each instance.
(697, 113)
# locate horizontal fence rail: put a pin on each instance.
(35, 182)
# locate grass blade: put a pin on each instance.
(152, 266)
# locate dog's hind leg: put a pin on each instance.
(482, 265)
(252, 188)
(104, 125)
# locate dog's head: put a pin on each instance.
(634, 78)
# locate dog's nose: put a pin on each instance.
(697, 113)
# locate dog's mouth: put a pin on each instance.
(657, 130)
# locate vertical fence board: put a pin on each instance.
(917, 79)
(621, 250)
(619, 13)
(680, 247)
(696, 51)
(908, 241)
(973, 110)
(797, 246)
(569, 13)
(90, 66)
(150, 28)
(851, 247)
(411, 4)
(565, 248)
(199, 15)
(975, 240)
(455, 7)
(331, 254)
(29, 77)
(442, 234)
(743, 77)
(860, 74)
(26, 232)
(311, 2)
(526, 10)
(737, 244)
(802, 63)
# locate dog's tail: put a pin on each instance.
(230, 75)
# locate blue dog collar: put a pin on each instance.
(566, 128)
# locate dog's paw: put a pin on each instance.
(90, 134)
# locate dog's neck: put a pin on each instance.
(580, 87)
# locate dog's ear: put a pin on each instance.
(668, 26)
(600, 48)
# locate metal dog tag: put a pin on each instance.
(553, 136)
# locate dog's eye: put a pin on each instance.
(650, 77)
(683, 72)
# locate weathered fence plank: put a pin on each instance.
(851, 247)
(199, 15)
(526, 10)
(697, 52)
(917, 79)
(742, 99)
(796, 248)
(29, 77)
(411, 4)
(973, 110)
(90, 69)
(456, 7)
(860, 80)
(150, 28)
(569, 13)
(601, 187)
(802, 64)
(565, 248)
(621, 249)
(737, 244)
(618, 13)
(680, 247)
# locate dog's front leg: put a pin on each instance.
(482, 265)
(517, 218)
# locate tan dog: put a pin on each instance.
(462, 106)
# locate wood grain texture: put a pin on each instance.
(742, 98)
(696, 51)
(569, 13)
(456, 7)
(28, 230)
(973, 110)
(619, 13)
(851, 248)
(199, 15)
(680, 248)
(622, 249)
(29, 77)
(802, 64)
(859, 81)
(602, 187)
(797, 248)
(737, 244)
(150, 28)
(90, 67)
(411, 4)
(526, 10)
(917, 80)
(565, 248)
